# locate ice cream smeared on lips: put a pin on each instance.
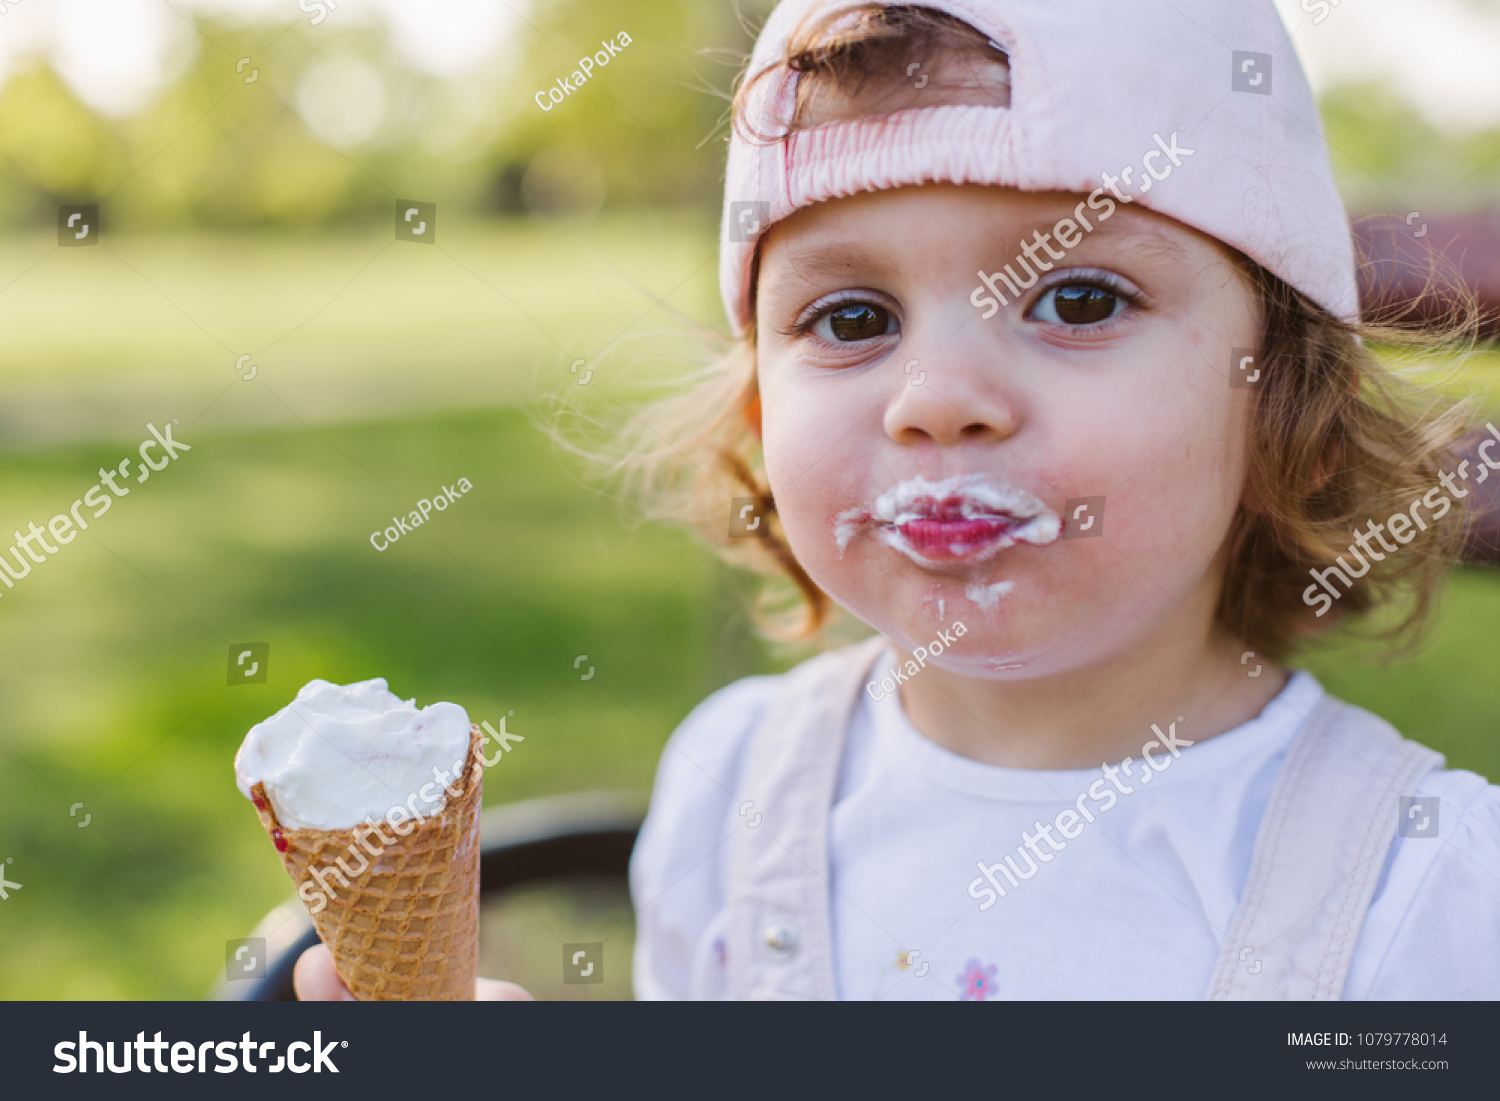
(339, 754)
(963, 519)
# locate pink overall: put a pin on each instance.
(1318, 854)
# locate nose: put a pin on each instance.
(962, 399)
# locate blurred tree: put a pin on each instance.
(1387, 157)
(647, 118)
(52, 148)
(214, 150)
(645, 129)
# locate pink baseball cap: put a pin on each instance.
(1203, 115)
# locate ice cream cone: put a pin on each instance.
(401, 919)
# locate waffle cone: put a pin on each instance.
(406, 926)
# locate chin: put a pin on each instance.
(1007, 640)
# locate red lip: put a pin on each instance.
(957, 538)
(944, 532)
(967, 517)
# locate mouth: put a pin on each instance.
(965, 519)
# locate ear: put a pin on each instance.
(751, 413)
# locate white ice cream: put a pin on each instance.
(977, 495)
(340, 753)
(988, 596)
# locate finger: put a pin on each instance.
(317, 980)
(493, 990)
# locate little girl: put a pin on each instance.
(1049, 370)
(1049, 354)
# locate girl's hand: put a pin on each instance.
(317, 980)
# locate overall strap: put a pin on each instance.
(1322, 844)
(780, 939)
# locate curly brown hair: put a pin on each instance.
(1336, 438)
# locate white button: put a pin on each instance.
(781, 938)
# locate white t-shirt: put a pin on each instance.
(1131, 907)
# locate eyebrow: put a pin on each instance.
(1144, 236)
(813, 263)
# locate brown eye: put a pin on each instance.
(1080, 304)
(856, 321)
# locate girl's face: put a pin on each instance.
(921, 457)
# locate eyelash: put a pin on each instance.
(816, 312)
(1088, 277)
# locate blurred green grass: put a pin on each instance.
(1444, 696)
(117, 652)
(501, 293)
(113, 654)
(341, 326)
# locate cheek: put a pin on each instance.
(787, 430)
(1170, 462)
(820, 459)
(812, 454)
(1176, 512)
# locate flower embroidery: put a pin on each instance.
(977, 981)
